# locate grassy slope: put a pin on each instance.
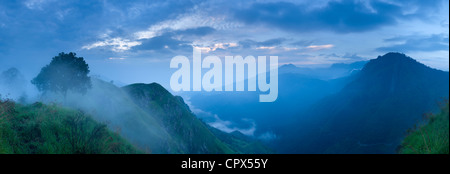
(179, 121)
(163, 124)
(431, 138)
(193, 134)
(108, 103)
(49, 129)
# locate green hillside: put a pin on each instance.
(431, 138)
(145, 115)
(371, 114)
(49, 129)
(179, 121)
(110, 104)
(191, 133)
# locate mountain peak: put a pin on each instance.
(395, 56)
(394, 72)
(289, 65)
(394, 62)
(154, 87)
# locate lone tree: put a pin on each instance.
(65, 72)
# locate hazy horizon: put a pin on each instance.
(131, 42)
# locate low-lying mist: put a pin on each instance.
(111, 105)
(104, 101)
(14, 85)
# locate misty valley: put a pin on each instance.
(212, 79)
(182, 86)
(378, 106)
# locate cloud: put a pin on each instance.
(345, 58)
(265, 48)
(197, 21)
(337, 16)
(224, 125)
(37, 4)
(165, 41)
(117, 58)
(107, 28)
(267, 136)
(228, 127)
(166, 34)
(216, 46)
(73, 24)
(414, 43)
(199, 31)
(248, 43)
(116, 44)
(302, 43)
(146, 41)
(320, 47)
(290, 49)
(419, 8)
(353, 56)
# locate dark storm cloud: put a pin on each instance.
(70, 24)
(342, 17)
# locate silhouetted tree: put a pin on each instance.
(65, 72)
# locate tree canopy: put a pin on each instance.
(65, 72)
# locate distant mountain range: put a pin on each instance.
(335, 71)
(371, 113)
(299, 89)
(366, 110)
(363, 107)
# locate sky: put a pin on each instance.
(134, 41)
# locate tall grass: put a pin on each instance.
(431, 138)
(50, 129)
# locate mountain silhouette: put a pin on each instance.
(372, 113)
(335, 71)
(190, 133)
(299, 89)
